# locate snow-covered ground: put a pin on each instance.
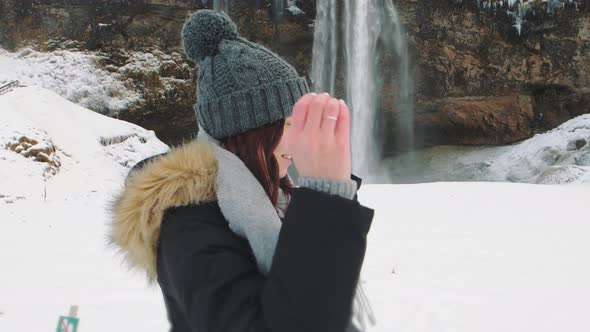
(559, 156)
(478, 257)
(441, 256)
(52, 227)
(73, 75)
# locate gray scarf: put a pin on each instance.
(252, 216)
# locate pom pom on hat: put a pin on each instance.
(204, 30)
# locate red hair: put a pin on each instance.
(255, 148)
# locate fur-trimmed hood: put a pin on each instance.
(184, 175)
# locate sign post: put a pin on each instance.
(69, 323)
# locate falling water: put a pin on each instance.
(360, 40)
(277, 10)
(364, 22)
(323, 67)
(405, 98)
(222, 5)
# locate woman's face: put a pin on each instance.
(281, 154)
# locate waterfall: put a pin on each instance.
(364, 22)
(277, 9)
(323, 67)
(405, 98)
(222, 5)
(360, 43)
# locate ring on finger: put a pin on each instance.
(329, 117)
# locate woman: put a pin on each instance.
(218, 223)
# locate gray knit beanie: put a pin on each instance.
(241, 85)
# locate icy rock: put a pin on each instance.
(560, 175)
(576, 144)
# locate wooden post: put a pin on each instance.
(73, 311)
(70, 323)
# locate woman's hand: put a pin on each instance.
(320, 147)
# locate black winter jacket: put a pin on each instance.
(168, 223)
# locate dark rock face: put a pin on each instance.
(475, 120)
(477, 80)
(167, 85)
(472, 52)
(557, 104)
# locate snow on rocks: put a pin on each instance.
(35, 145)
(559, 156)
(72, 75)
(293, 9)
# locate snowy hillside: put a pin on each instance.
(53, 186)
(440, 257)
(87, 145)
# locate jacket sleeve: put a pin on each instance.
(310, 287)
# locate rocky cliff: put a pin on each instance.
(484, 77)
